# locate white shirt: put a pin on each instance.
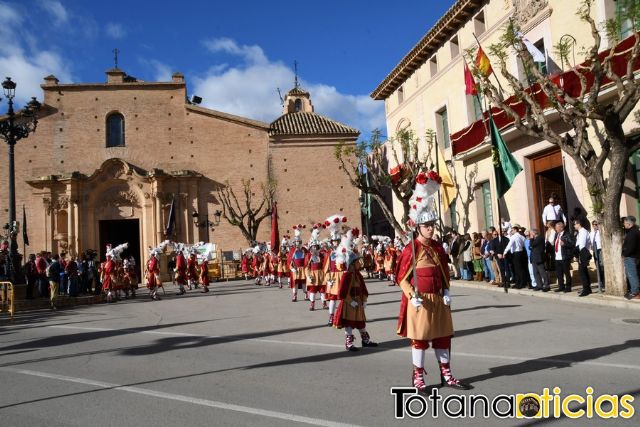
(595, 239)
(553, 213)
(559, 250)
(516, 243)
(583, 239)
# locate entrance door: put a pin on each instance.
(120, 231)
(548, 175)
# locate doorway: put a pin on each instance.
(548, 177)
(119, 231)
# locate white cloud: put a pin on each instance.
(57, 10)
(115, 31)
(20, 58)
(250, 89)
(161, 72)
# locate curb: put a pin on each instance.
(593, 299)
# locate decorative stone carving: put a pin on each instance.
(62, 202)
(164, 197)
(527, 9)
(121, 198)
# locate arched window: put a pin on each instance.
(298, 105)
(115, 130)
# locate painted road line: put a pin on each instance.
(181, 398)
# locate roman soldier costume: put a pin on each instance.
(153, 275)
(204, 274)
(313, 268)
(245, 264)
(379, 260)
(390, 262)
(108, 272)
(333, 268)
(181, 271)
(297, 256)
(268, 261)
(353, 295)
(283, 265)
(192, 270)
(256, 264)
(425, 314)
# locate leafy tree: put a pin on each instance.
(595, 118)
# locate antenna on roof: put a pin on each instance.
(295, 68)
(280, 95)
(115, 51)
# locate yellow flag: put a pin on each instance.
(448, 190)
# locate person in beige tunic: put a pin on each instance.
(425, 313)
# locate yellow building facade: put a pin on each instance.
(426, 90)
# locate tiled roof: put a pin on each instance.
(302, 123)
(297, 91)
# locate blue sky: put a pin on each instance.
(234, 54)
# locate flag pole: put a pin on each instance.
(439, 187)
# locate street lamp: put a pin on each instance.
(14, 127)
(206, 223)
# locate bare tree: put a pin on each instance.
(587, 107)
(370, 159)
(247, 214)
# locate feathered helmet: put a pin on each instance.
(315, 234)
(423, 202)
(158, 249)
(345, 253)
(115, 252)
(297, 232)
(333, 224)
(284, 244)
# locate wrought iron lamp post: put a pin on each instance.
(14, 127)
(206, 223)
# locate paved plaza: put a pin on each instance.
(245, 355)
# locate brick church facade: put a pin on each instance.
(108, 158)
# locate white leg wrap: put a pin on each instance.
(312, 296)
(323, 297)
(442, 354)
(332, 306)
(418, 357)
(348, 330)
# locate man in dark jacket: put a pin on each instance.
(563, 250)
(496, 248)
(538, 244)
(630, 255)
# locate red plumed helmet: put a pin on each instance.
(344, 219)
(336, 220)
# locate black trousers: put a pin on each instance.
(521, 270)
(563, 270)
(583, 271)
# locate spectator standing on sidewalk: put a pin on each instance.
(595, 239)
(584, 256)
(630, 255)
(538, 247)
(54, 271)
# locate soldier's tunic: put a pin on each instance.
(390, 260)
(283, 265)
(332, 274)
(315, 275)
(433, 320)
(181, 269)
(351, 288)
(153, 273)
(296, 262)
(108, 273)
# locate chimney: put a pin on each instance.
(177, 77)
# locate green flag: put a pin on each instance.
(506, 167)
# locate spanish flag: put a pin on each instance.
(482, 62)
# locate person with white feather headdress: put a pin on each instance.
(423, 275)
(352, 294)
(379, 256)
(333, 270)
(313, 267)
(297, 255)
(268, 265)
(152, 272)
(204, 269)
(390, 256)
(192, 268)
(181, 269)
(282, 267)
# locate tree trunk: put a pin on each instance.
(388, 214)
(609, 197)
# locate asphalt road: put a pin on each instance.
(246, 355)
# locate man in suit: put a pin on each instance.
(563, 249)
(584, 256)
(497, 248)
(537, 260)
